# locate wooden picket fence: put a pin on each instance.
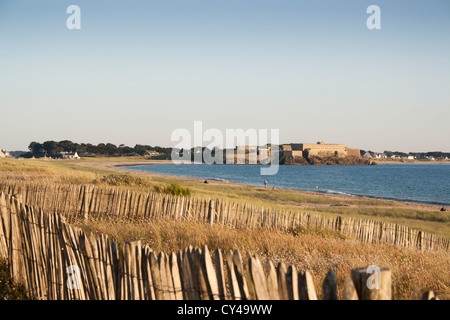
(55, 261)
(104, 203)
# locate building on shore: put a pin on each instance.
(292, 150)
(153, 153)
(296, 151)
(324, 149)
(319, 149)
(4, 154)
(380, 156)
(67, 155)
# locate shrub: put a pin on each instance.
(8, 289)
(174, 189)
(122, 180)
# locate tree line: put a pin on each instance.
(53, 148)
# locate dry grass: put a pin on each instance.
(99, 171)
(317, 251)
(306, 249)
(44, 172)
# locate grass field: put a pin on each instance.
(101, 171)
(315, 250)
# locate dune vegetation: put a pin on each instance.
(315, 250)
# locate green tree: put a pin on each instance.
(50, 147)
(111, 149)
(36, 149)
(66, 146)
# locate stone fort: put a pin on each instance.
(319, 149)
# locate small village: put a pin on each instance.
(59, 155)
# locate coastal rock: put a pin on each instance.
(316, 160)
(295, 161)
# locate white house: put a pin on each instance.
(4, 154)
(380, 155)
(264, 151)
(367, 155)
(153, 153)
(68, 155)
(198, 150)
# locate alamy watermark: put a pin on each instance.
(250, 146)
(74, 280)
(373, 281)
(374, 20)
(73, 22)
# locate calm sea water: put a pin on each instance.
(428, 183)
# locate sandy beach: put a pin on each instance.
(117, 167)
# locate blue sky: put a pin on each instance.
(137, 70)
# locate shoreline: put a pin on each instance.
(96, 171)
(404, 202)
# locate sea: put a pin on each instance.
(422, 183)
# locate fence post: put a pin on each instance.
(240, 276)
(376, 285)
(147, 274)
(4, 227)
(211, 211)
(234, 287)
(329, 287)
(166, 276)
(218, 264)
(210, 274)
(156, 276)
(429, 295)
(272, 284)
(292, 283)
(282, 284)
(198, 272)
(306, 286)
(258, 279)
(350, 292)
(176, 277)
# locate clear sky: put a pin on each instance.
(137, 70)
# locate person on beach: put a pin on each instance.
(206, 181)
(443, 208)
(265, 183)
